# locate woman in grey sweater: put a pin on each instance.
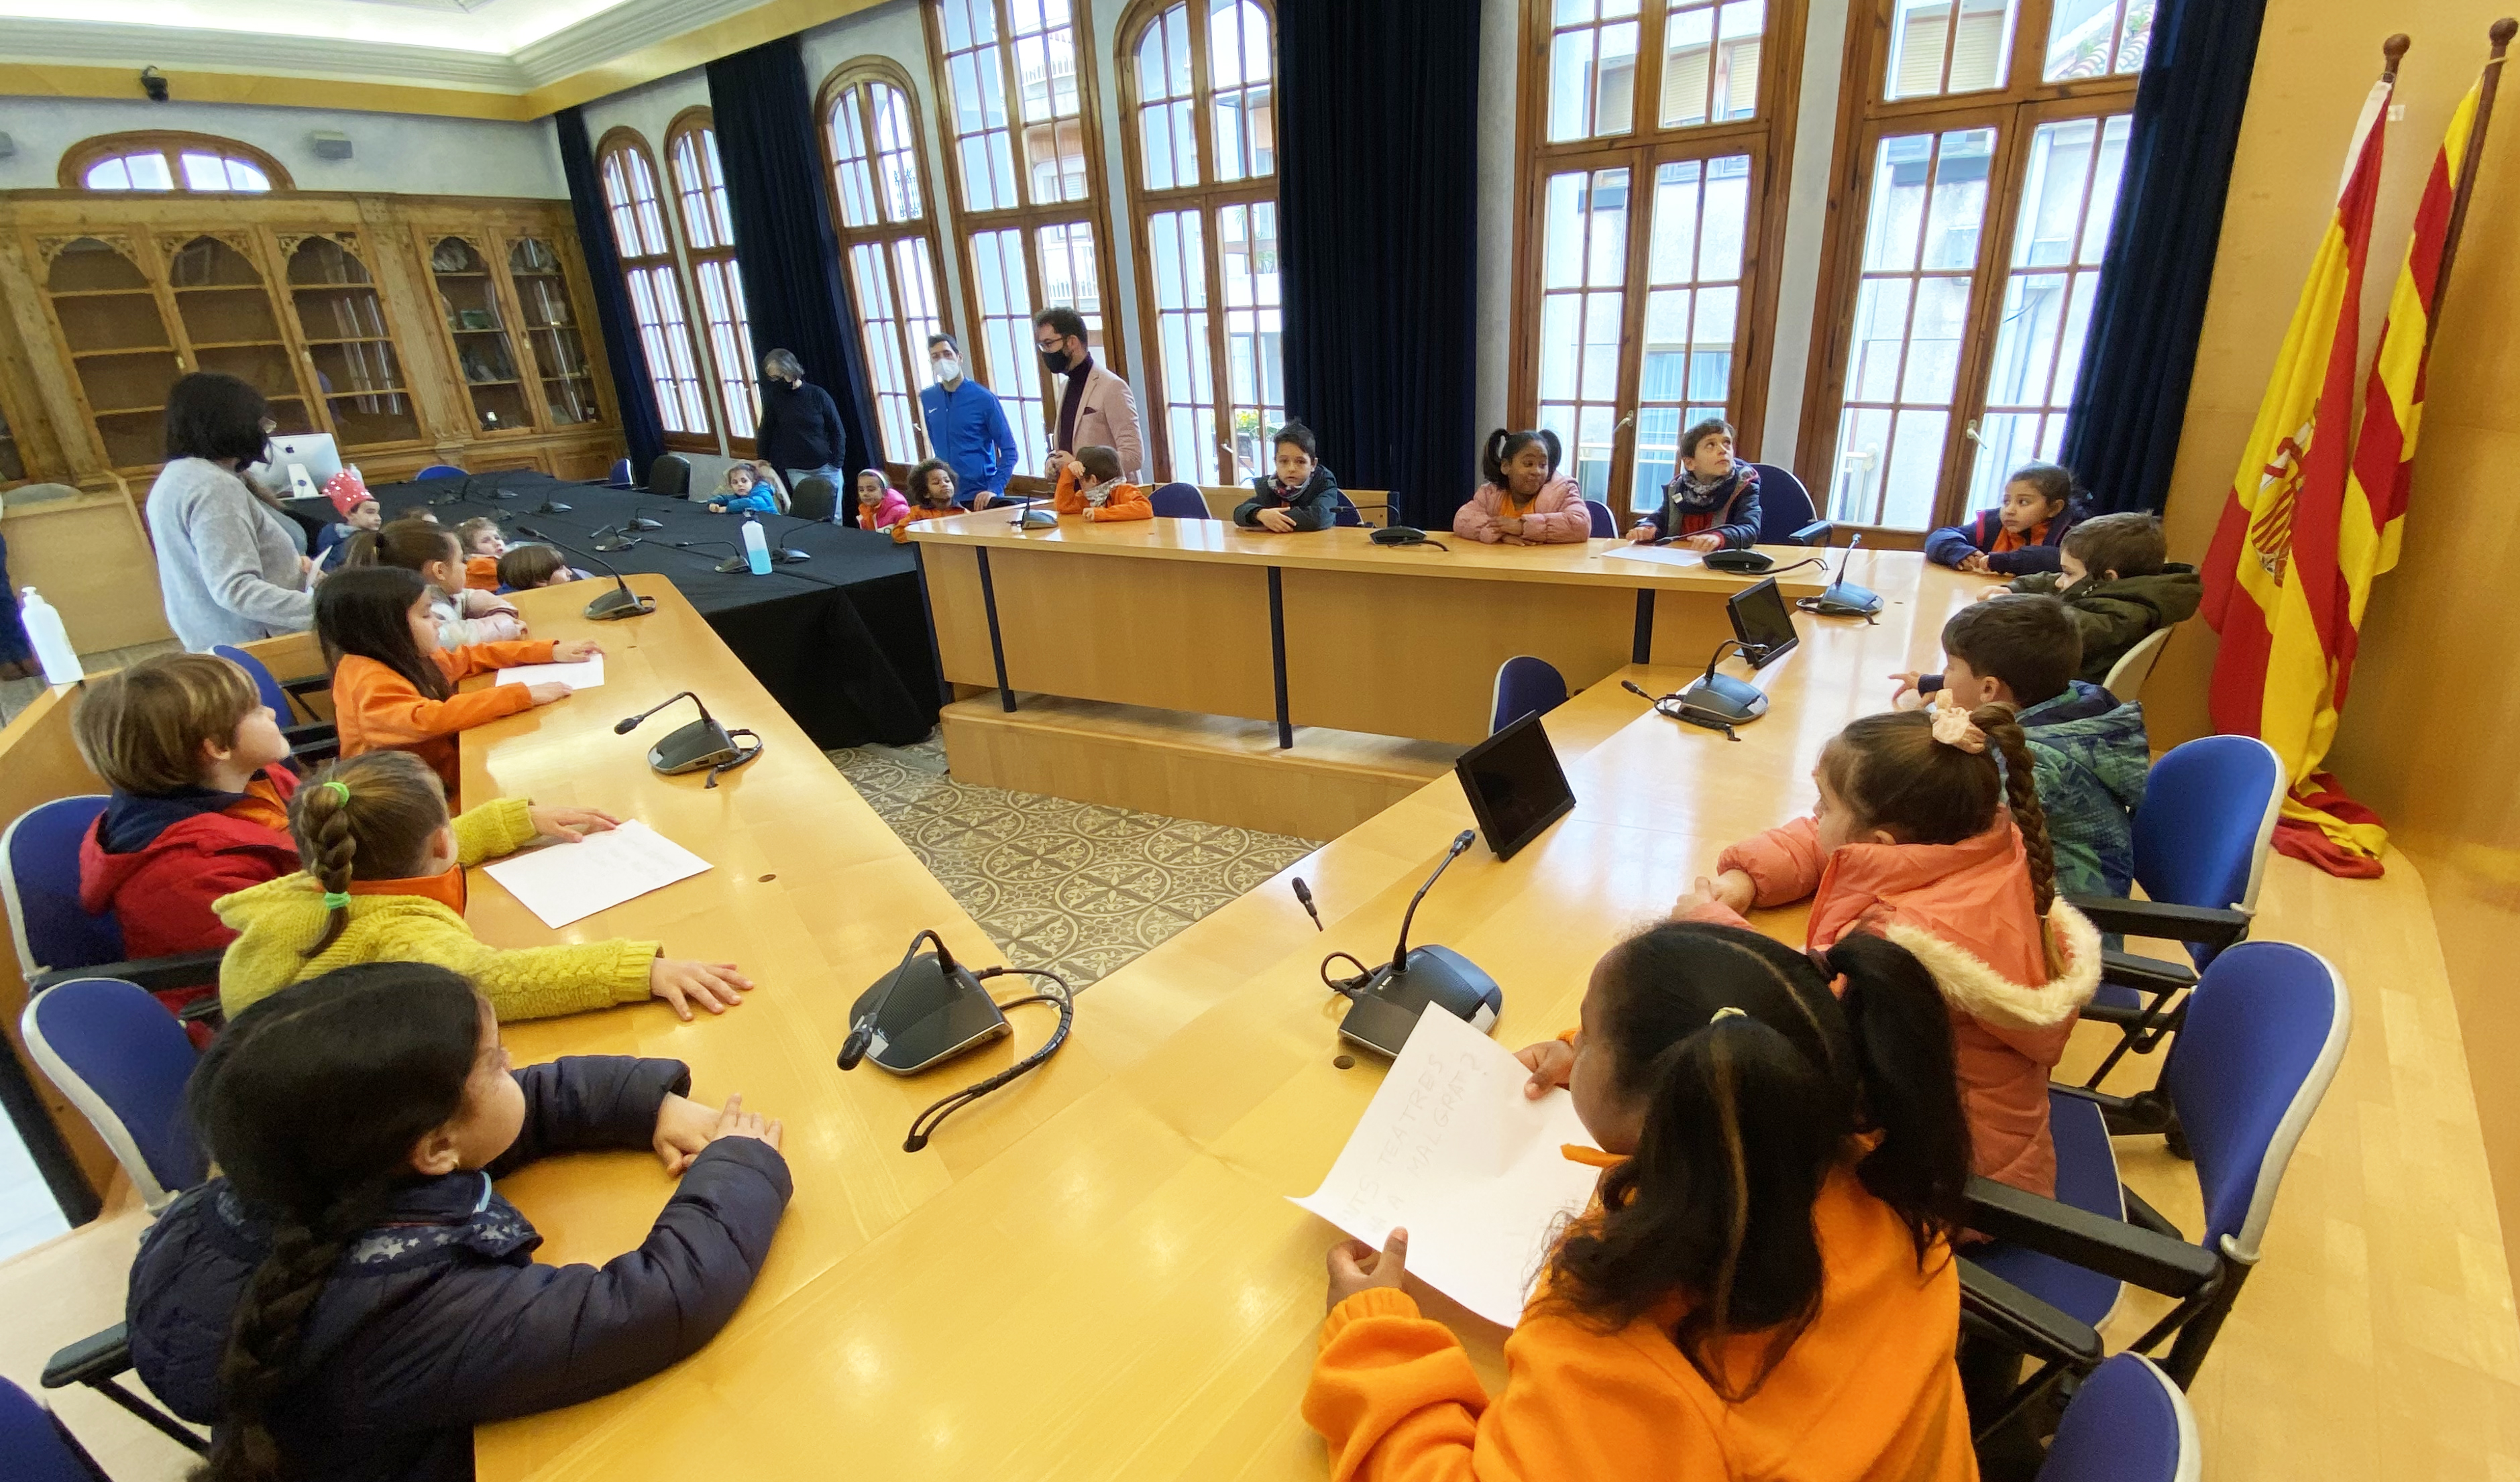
(226, 565)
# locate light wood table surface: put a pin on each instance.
(1096, 1274)
(1201, 615)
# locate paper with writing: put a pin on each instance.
(585, 674)
(1453, 1151)
(1661, 556)
(569, 882)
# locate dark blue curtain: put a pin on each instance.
(2122, 434)
(1378, 199)
(793, 288)
(641, 427)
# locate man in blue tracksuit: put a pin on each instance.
(967, 427)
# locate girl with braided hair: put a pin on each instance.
(1929, 832)
(384, 881)
(350, 1296)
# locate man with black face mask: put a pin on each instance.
(1096, 409)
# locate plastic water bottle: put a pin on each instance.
(52, 639)
(756, 548)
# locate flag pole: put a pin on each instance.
(2502, 33)
(2391, 51)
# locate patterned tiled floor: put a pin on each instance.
(1077, 887)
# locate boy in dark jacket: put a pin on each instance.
(1713, 503)
(1303, 496)
(2019, 536)
(2117, 587)
(200, 806)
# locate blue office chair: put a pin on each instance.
(1604, 523)
(2267, 1027)
(1786, 514)
(1181, 501)
(620, 477)
(1524, 685)
(1346, 513)
(2200, 853)
(2128, 1423)
(310, 738)
(56, 938)
(113, 1049)
(37, 1446)
(439, 471)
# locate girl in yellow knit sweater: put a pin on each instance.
(384, 881)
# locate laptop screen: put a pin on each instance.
(1515, 785)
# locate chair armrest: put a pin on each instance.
(92, 1359)
(1816, 533)
(313, 732)
(2025, 1323)
(185, 969)
(2202, 925)
(2111, 1247)
(311, 684)
(2146, 974)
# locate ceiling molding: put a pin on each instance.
(108, 43)
(616, 34)
(58, 80)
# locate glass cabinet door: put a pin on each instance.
(357, 372)
(552, 339)
(224, 306)
(484, 356)
(119, 347)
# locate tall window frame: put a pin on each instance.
(1203, 219)
(633, 200)
(2039, 114)
(885, 209)
(1688, 158)
(1027, 234)
(708, 224)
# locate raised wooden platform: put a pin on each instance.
(1212, 768)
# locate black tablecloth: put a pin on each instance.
(840, 641)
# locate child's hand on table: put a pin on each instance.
(1975, 563)
(1907, 696)
(684, 1127)
(548, 691)
(1356, 1266)
(575, 650)
(714, 986)
(1992, 593)
(1732, 890)
(1552, 1063)
(1704, 540)
(1275, 519)
(570, 824)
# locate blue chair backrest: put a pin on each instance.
(1525, 686)
(2265, 1027)
(2128, 1423)
(1345, 514)
(440, 471)
(39, 879)
(34, 1446)
(1604, 523)
(1785, 505)
(2209, 810)
(1181, 501)
(620, 479)
(122, 1059)
(264, 685)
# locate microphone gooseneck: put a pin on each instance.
(631, 723)
(1460, 842)
(624, 601)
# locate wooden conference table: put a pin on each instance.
(1323, 628)
(1094, 1273)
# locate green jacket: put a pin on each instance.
(2092, 762)
(2113, 616)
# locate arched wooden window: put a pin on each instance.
(1200, 94)
(161, 159)
(1023, 148)
(708, 239)
(1959, 276)
(629, 175)
(887, 228)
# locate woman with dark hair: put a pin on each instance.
(228, 566)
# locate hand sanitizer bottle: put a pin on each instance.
(756, 547)
(51, 638)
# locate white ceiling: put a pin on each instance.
(471, 26)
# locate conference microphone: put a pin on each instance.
(1384, 1008)
(704, 743)
(619, 603)
(942, 970)
(780, 552)
(610, 538)
(729, 566)
(1304, 893)
(457, 495)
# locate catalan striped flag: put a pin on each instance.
(2274, 587)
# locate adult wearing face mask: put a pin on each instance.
(1097, 409)
(801, 433)
(967, 426)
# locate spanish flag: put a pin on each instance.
(2276, 583)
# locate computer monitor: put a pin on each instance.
(1761, 622)
(302, 463)
(1515, 785)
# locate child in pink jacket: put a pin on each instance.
(880, 506)
(1921, 837)
(1525, 501)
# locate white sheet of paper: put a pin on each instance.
(585, 674)
(1453, 1152)
(1661, 555)
(569, 882)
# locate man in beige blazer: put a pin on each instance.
(1096, 409)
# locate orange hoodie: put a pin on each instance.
(1128, 501)
(1868, 1393)
(481, 573)
(378, 710)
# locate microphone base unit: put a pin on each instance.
(619, 604)
(730, 566)
(554, 507)
(1847, 600)
(1037, 519)
(642, 522)
(931, 1017)
(702, 743)
(1734, 701)
(1383, 1013)
(789, 557)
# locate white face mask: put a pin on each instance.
(948, 369)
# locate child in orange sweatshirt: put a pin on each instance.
(394, 687)
(483, 543)
(1089, 484)
(1764, 1285)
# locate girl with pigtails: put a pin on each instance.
(1525, 501)
(384, 881)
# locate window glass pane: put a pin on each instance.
(915, 280)
(1694, 265)
(1255, 377)
(1710, 69)
(148, 172)
(2094, 38)
(205, 172)
(870, 278)
(1167, 110)
(2135, 36)
(897, 148)
(1238, 68)
(1176, 247)
(108, 176)
(1582, 312)
(849, 168)
(1948, 46)
(1006, 335)
(245, 177)
(1068, 275)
